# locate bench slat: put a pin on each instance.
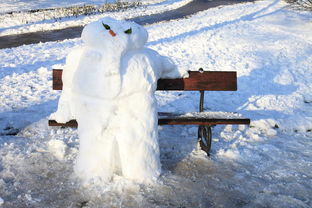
(203, 118)
(218, 81)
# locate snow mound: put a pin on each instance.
(108, 86)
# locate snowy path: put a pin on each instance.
(50, 34)
(267, 165)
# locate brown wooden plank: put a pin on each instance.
(203, 121)
(207, 80)
(72, 123)
(57, 83)
(201, 118)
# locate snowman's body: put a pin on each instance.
(110, 91)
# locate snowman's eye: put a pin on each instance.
(129, 31)
(107, 27)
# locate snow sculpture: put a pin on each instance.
(108, 87)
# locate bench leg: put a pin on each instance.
(204, 132)
(204, 138)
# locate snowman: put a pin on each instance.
(108, 87)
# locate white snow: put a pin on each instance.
(22, 5)
(265, 165)
(219, 114)
(57, 148)
(25, 22)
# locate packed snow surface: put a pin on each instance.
(268, 164)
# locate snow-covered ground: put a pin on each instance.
(23, 22)
(266, 165)
(28, 5)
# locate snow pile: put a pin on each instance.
(109, 86)
(57, 148)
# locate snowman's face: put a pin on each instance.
(114, 35)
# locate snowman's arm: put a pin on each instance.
(164, 66)
(64, 111)
(170, 70)
(72, 63)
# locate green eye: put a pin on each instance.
(129, 31)
(107, 27)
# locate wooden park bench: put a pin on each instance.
(198, 81)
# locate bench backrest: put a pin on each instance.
(203, 81)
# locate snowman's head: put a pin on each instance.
(114, 35)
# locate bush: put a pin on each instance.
(301, 4)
